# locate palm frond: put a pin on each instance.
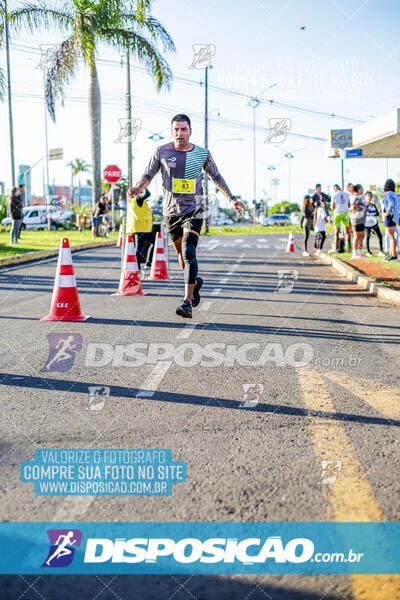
(152, 26)
(41, 15)
(2, 85)
(146, 53)
(61, 69)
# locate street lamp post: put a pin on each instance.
(10, 115)
(253, 103)
(276, 182)
(271, 168)
(289, 155)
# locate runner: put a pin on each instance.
(357, 212)
(391, 210)
(62, 549)
(320, 221)
(181, 164)
(307, 221)
(101, 209)
(340, 206)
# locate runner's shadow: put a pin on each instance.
(64, 385)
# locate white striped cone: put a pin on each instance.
(159, 268)
(119, 240)
(130, 284)
(65, 305)
(290, 245)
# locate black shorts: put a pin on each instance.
(177, 223)
(359, 227)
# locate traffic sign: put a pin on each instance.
(341, 138)
(112, 173)
(353, 153)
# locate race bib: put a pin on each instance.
(183, 186)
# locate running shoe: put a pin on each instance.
(185, 310)
(381, 254)
(196, 292)
(389, 258)
(368, 254)
(305, 253)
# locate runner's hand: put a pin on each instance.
(239, 206)
(133, 192)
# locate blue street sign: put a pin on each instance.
(353, 153)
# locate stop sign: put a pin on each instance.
(112, 173)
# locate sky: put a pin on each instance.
(345, 62)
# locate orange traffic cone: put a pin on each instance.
(119, 240)
(290, 245)
(65, 304)
(159, 264)
(130, 284)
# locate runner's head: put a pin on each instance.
(336, 187)
(369, 197)
(350, 188)
(181, 131)
(358, 189)
(318, 188)
(307, 200)
(390, 186)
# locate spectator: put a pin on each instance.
(320, 221)
(357, 212)
(340, 206)
(371, 223)
(101, 209)
(319, 197)
(391, 209)
(140, 223)
(307, 221)
(15, 208)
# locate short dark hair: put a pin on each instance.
(357, 187)
(181, 117)
(369, 193)
(390, 186)
(317, 185)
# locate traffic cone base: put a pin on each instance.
(159, 270)
(290, 245)
(130, 284)
(65, 305)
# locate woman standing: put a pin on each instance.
(391, 209)
(371, 223)
(307, 220)
(15, 207)
(357, 213)
(140, 223)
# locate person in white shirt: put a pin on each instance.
(320, 221)
(340, 206)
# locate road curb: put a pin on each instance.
(362, 281)
(30, 256)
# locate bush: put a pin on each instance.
(3, 207)
(284, 207)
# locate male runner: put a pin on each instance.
(181, 164)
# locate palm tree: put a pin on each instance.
(78, 165)
(87, 23)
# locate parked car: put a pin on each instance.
(35, 217)
(278, 219)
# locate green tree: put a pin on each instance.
(120, 24)
(284, 207)
(78, 165)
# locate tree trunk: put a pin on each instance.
(95, 130)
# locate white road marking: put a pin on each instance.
(230, 273)
(216, 291)
(224, 280)
(235, 266)
(73, 508)
(149, 387)
(237, 241)
(187, 330)
(205, 306)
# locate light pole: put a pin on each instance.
(156, 137)
(289, 155)
(271, 168)
(10, 115)
(276, 182)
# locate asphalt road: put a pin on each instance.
(262, 461)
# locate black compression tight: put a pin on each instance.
(378, 233)
(189, 243)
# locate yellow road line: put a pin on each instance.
(383, 398)
(350, 497)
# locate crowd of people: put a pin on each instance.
(356, 217)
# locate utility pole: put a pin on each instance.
(129, 114)
(206, 218)
(289, 155)
(10, 116)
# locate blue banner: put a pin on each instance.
(199, 548)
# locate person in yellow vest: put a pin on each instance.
(139, 222)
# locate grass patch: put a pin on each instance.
(31, 241)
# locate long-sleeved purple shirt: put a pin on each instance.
(182, 177)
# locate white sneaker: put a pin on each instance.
(333, 251)
(305, 253)
(368, 254)
(317, 252)
(355, 256)
(381, 253)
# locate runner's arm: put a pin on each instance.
(211, 170)
(151, 170)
